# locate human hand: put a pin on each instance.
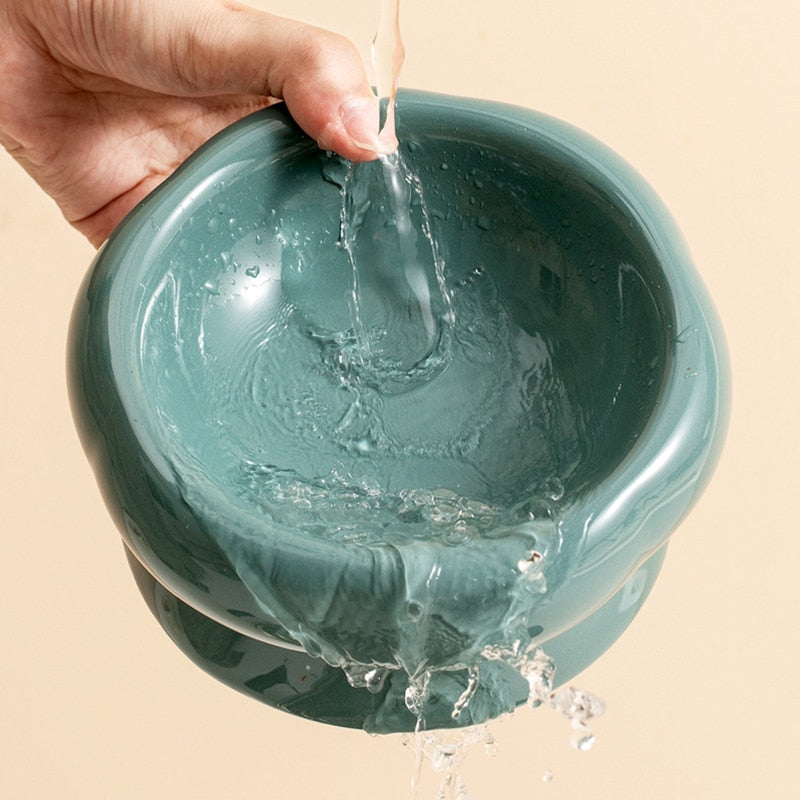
(100, 100)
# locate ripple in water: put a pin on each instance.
(312, 444)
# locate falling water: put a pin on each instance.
(402, 309)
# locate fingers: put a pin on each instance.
(319, 74)
(208, 48)
(321, 77)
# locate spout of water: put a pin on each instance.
(399, 300)
(388, 55)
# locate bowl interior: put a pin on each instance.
(562, 338)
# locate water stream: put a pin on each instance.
(402, 311)
(404, 318)
(389, 401)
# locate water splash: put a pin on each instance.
(404, 334)
(579, 707)
(366, 676)
(402, 310)
(468, 693)
(401, 306)
(445, 752)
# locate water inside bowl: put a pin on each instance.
(553, 364)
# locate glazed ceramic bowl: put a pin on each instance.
(583, 256)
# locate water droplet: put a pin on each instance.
(525, 565)
(554, 489)
(490, 746)
(469, 692)
(414, 609)
(458, 534)
(483, 222)
(366, 676)
(253, 271)
(416, 694)
(547, 777)
(363, 445)
(583, 740)
(213, 225)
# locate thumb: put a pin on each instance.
(319, 74)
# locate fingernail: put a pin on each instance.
(360, 120)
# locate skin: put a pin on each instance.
(100, 100)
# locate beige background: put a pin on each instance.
(702, 97)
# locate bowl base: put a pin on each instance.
(293, 681)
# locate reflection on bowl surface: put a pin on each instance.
(279, 499)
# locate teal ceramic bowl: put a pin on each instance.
(190, 292)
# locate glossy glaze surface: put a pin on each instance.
(584, 256)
